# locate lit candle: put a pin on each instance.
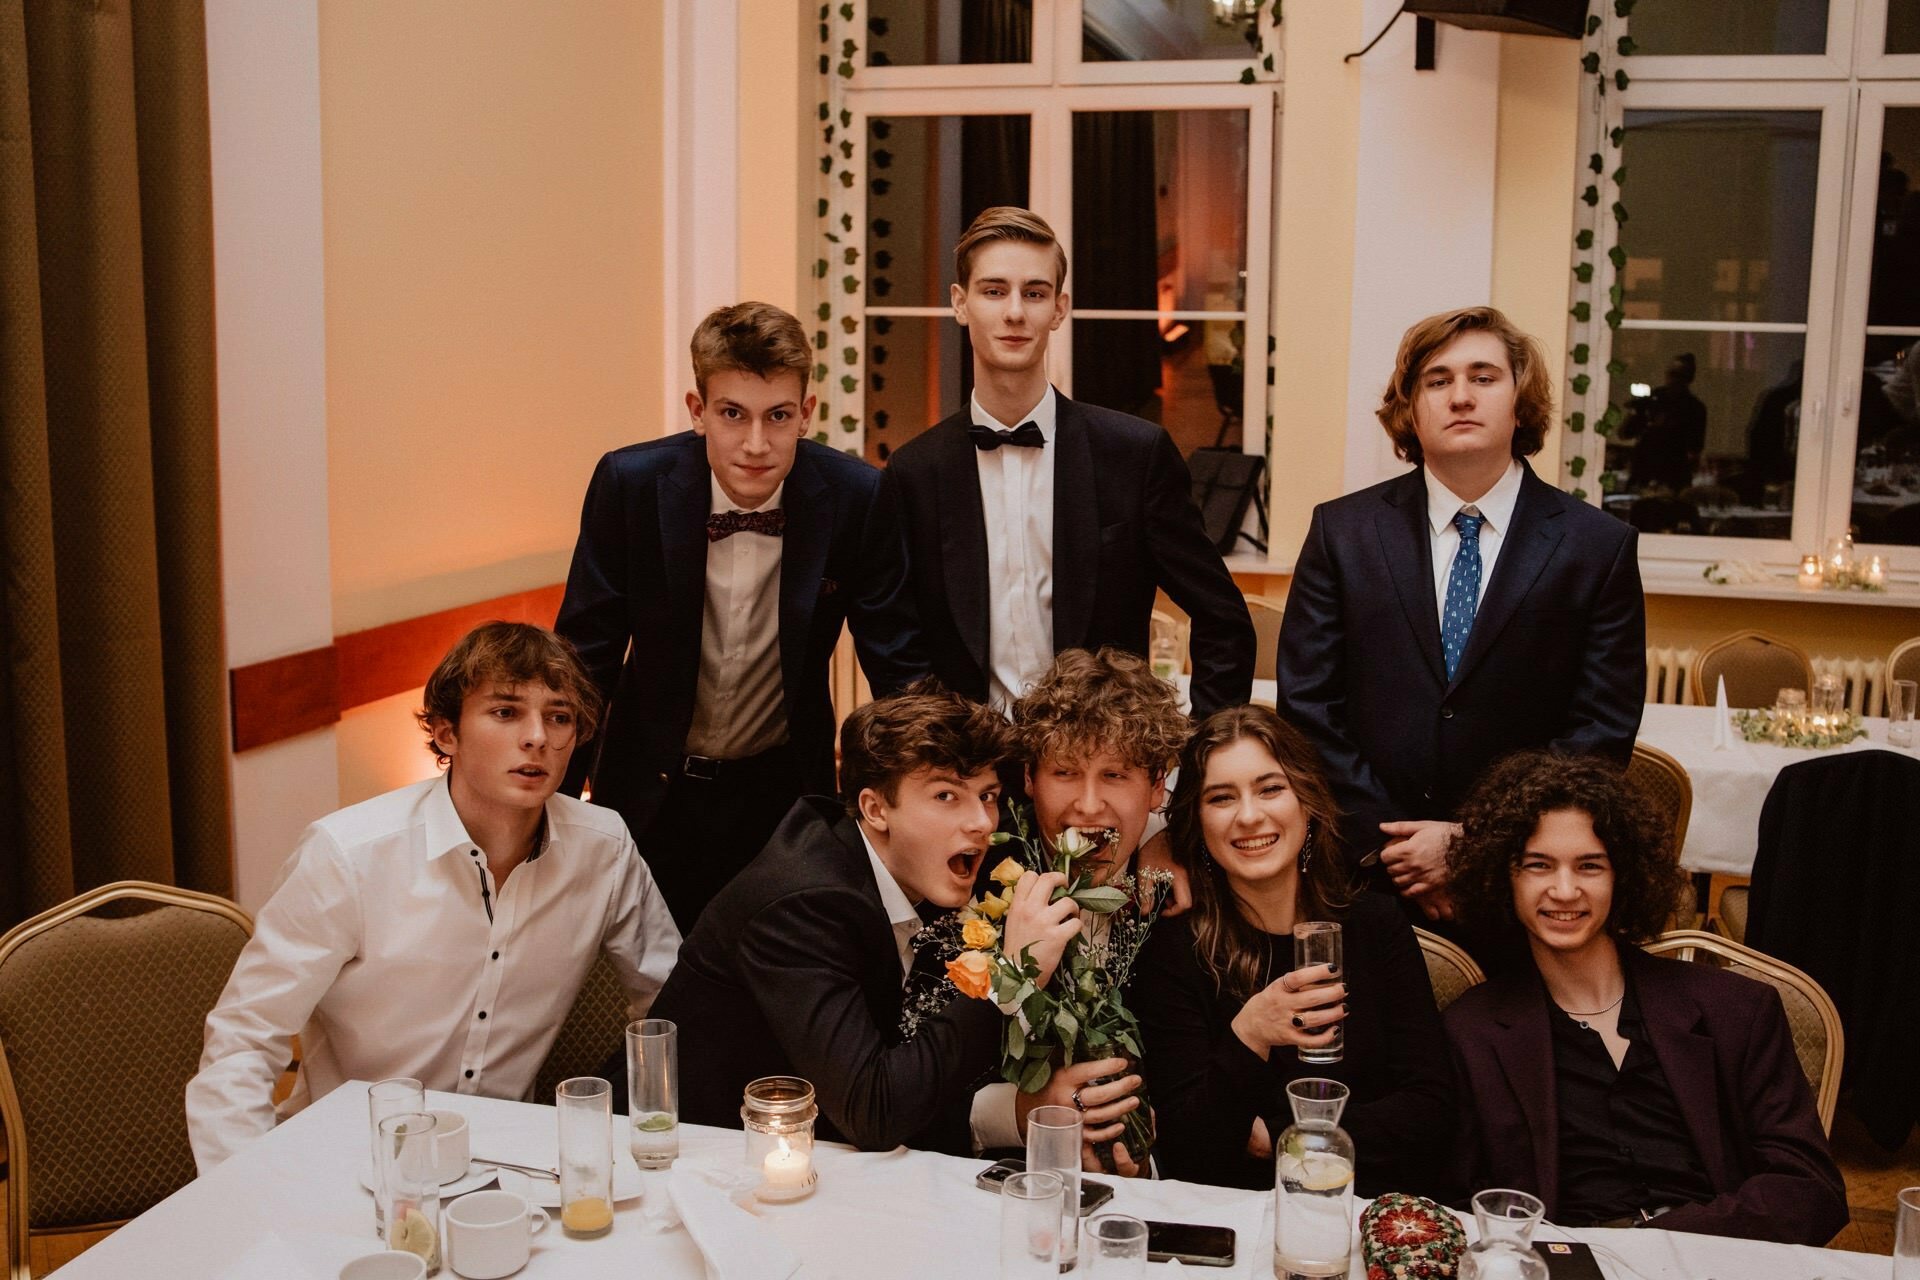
(787, 1168)
(1876, 571)
(1809, 573)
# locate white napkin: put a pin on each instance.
(734, 1243)
(1722, 719)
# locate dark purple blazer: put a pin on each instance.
(1723, 1042)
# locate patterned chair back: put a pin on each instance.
(1664, 782)
(103, 1006)
(1449, 968)
(1757, 667)
(595, 1028)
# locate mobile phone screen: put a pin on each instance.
(1190, 1242)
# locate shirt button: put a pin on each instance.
(496, 955)
(483, 1015)
(1446, 713)
(469, 1075)
(474, 852)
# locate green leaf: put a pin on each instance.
(1626, 46)
(1581, 312)
(849, 423)
(1615, 293)
(1035, 1077)
(845, 70)
(1580, 384)
(1101, 901)
(1016, 1039)
(1583, 272)
(1621, 80)
(1577, 465)
(851, 256)
(1617, 136)
(1595, 163)
(1614, 317)
(850, 284)
(846, 13)
(1620, 176)
(1618, 257)
(1246, 76)
(1590, 64)
(849, 355)
(1591, 196)
(1580, 352)
(1267, 63)
(1583, 241)
(820, 339)
(1593, 23)
(1579, 495)
(826, 113)
(1067, 1025)
(1576, 422)
(820, 372)
(820, 210)
(825, 311)
(849, 385)
(1619, 212)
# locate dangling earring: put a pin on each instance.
(1306, 849)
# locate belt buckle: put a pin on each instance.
(701, 768)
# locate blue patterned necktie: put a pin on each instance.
(1463, 591)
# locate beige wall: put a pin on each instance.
(492, 238)
(778, 124)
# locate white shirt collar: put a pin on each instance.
(1043, 415)
(721, 502)
(899, 907)
(1496, 504)
(446, 833)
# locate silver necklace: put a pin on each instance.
(1581, 1018)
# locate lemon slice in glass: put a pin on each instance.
(414, 1234)
(658, 1122)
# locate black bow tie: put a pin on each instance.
(1025, 436)
(724, 524)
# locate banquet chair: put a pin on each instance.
(1757, 667)
(1664, 782)
(1450, 969)
(1267, 613)
(1903, 663)
(595, 1029)
(1818, 1040)
(1732, 911)
(103, 1005)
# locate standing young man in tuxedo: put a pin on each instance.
(728, 556)
(1461, 611)
(1020, 543)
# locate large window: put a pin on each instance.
(1768, 279)
(1142, 130)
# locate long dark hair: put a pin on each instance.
(1230, 947)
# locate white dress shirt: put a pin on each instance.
(1496, 505)
(738, 709)
(377, 949)
(899, 907)
(1016, 495)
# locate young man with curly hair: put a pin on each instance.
(1623, 1089)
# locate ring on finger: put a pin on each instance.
(1078, 1105)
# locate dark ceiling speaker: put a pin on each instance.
(1523, 17)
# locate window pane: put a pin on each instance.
(1720, 207)
(1159, 210)
(1729, 26)
(1187, 378)
(1886, 483)
(925, 33)
(919, 370)
(1903, 26)
(1166, 30)
(1711, 432)
(927, 178)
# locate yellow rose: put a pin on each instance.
(993, 906)
(979, 934)
(972, 973)
(1008, 872)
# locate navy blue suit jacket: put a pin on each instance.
(639, 576)
(1557, 657)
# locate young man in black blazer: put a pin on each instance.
(727, 557)
(1459, 612)
(800, 966)
(1037, 524)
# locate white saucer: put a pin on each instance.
(476, 1177)
(627, 1185)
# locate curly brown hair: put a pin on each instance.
(1532, 381)
(509, 653)
(923, 726)
(1505, 809)
(1229, 946)
(1111, 701)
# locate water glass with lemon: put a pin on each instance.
(1313, 1184)
(653, 1092)
(409, 1182)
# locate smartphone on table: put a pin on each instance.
(1189, 1243)
(1092, 1194)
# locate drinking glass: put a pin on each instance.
(585, 1106)
(1906, 1235)
(653, 1092)
(1828, 694)
(1053, 1145)
(1117, 1247)
(1319, 942)
(410, 1186)
(1030, 1217)
(401, 1095)
(1901, 697)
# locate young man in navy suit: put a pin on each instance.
(1461, 611)
(1021, 545)
(713, 573)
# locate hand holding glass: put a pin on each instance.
(1320, 942)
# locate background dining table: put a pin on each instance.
(290, 1207)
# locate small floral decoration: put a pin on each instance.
(1405, 1237)
(1798, 729)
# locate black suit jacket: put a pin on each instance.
(639, 575)
(1124, 523)
(792, 970)
(1557, 656)
(1723, 1043)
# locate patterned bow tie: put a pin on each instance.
(724, 524)
(1025, 436)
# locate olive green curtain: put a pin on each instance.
(112, 671)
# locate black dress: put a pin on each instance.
(1208, 1087)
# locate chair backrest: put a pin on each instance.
(1664, 782)
(596, 1026)
(1757, 667)
(1818, 1039)
(1450, 969)
(1903, 663)
(1267, 613)
(103, 1008)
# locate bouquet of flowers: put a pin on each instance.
(1080, 1014)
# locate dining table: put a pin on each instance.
(290, 1206)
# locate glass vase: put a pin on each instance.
(1313, 1184)
(1504, 1250)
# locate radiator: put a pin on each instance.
(1865, 678)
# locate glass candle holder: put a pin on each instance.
(777, 1113)
(1810, 575)
(1875, 573)
(1839, 558)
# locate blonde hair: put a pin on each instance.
(1006, 222)
(1533, 388)
(1110, 700)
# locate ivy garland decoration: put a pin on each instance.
(1607, 174)
(836, 335)
(1261, 53)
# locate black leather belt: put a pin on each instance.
(710, 769)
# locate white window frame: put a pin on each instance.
(1871, 59)
(1835, 63)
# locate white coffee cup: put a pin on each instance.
(390, 1265)
(450, 1149)
(489, 1232)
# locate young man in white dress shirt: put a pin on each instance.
(441, 931)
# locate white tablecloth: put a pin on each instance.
(1730, 785)
(289, 1207)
